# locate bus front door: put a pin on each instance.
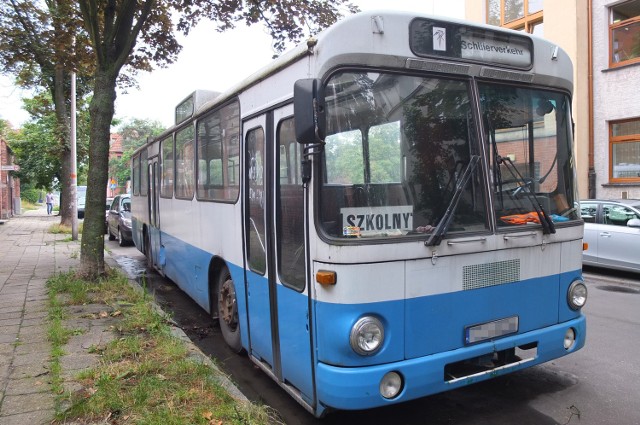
(152, 236)
(277, 299)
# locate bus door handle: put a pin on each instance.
(460, 242)
(519, 235)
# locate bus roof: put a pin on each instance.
(382, 39)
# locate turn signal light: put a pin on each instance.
(585, 246)
(326, 277)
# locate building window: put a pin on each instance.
(624, 32)
(624, 150)
(521, 15)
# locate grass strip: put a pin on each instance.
(145, 375)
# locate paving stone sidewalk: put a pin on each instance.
(29, 256)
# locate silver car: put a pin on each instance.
(612, 232)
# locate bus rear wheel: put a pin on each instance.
(228, 311)
(147, 249)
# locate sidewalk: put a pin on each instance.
(29, 255)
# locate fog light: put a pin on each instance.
(569, 338)
(367, 336)
(577, 295)
(390, 385)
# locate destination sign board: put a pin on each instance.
(431, 38)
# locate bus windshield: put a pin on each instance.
(401, 157)
(396, 151)
(531, 162)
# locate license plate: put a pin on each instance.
(491, 330)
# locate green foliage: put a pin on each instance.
(31, 195)
(134, 134)
(4, 126)
(345, 156)
(37, 148)
(35, 44)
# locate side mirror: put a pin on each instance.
(634, 222)
(309, 113)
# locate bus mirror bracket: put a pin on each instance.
(309, 113)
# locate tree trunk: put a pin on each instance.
(102, 110)
(62, 133)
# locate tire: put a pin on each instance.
(147, 250)
(121, 240)
(111, 237)
(227, 309)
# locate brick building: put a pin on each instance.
(9, 185)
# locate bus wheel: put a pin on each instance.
(228, 311)
(147, 250)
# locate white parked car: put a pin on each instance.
(612, 232)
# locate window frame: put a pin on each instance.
(615, 26)
(526, 23)
(620, 140)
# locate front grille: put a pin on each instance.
(490, 274)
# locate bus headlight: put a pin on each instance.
(367, 336)
(391, 385)
(569, 338)
(577, 295)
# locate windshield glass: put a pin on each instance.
(395, 154)
(531, 161)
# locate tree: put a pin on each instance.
(116, 27)
(134, 134)
(41, 43)
(43, 171)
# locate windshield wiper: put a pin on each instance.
(525, 187)
(445, 222)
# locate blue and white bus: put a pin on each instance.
(383, 213)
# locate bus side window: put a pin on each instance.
(218, 155)
(185, 156)
(166, 164)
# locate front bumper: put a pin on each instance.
(358, 387)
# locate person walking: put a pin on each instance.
(49, 201)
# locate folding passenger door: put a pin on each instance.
(260, 288)
(152, 241)
(277, 299)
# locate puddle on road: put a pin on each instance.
(132, 267)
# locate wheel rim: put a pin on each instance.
(227, 306)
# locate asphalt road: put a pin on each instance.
(600, 384)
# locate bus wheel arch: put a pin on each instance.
(224, 304)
